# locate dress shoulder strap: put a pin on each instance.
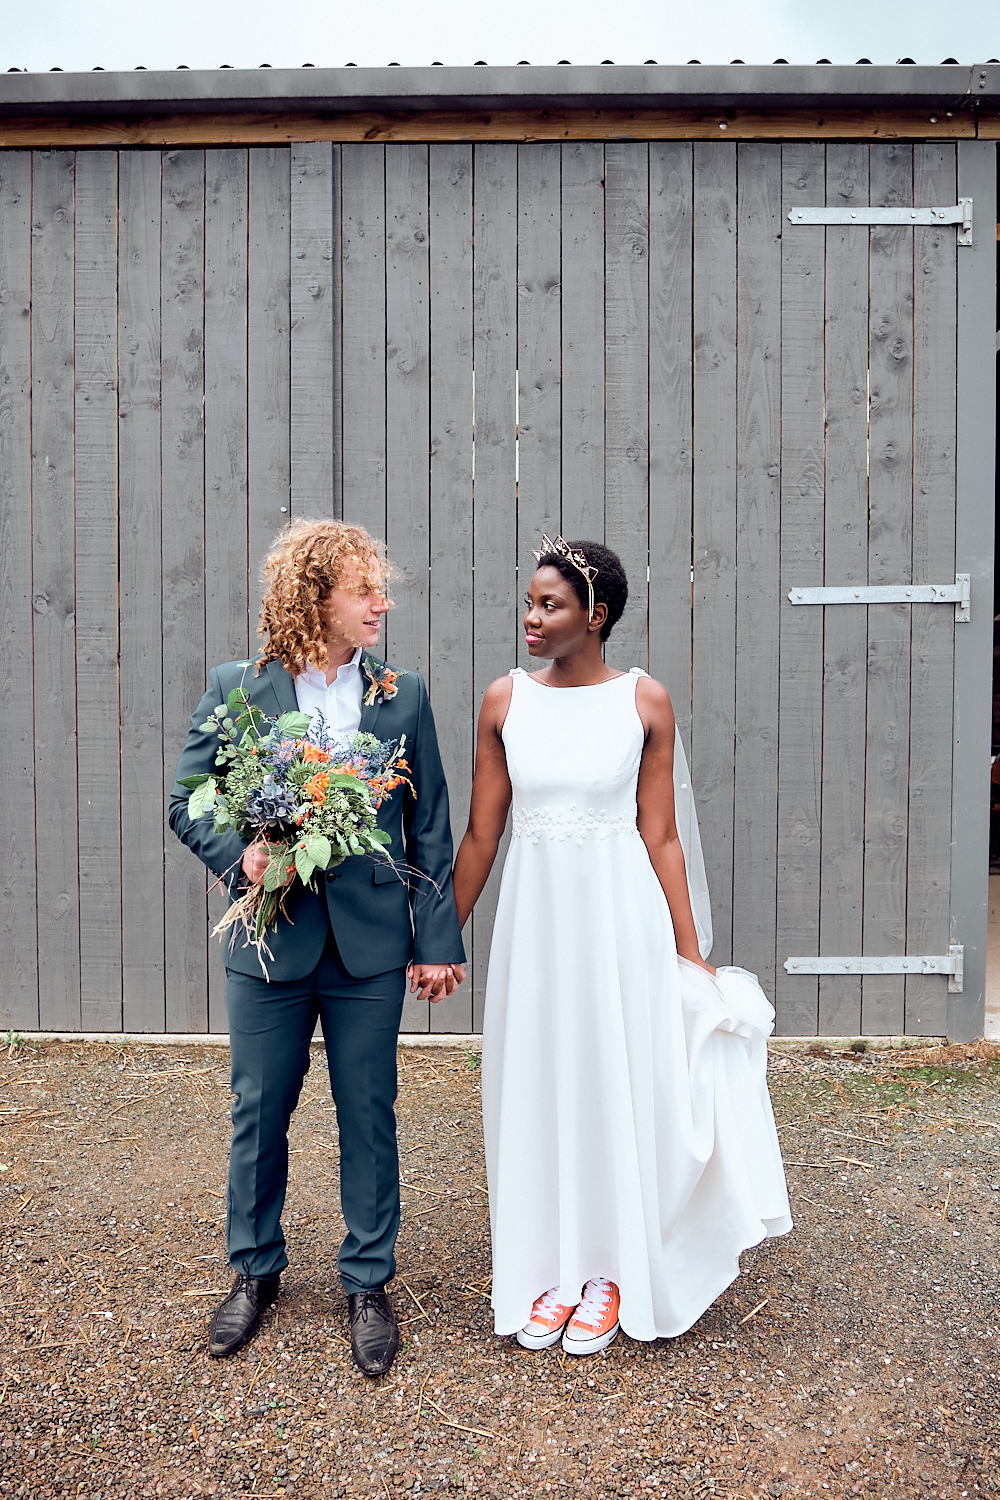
(516, 672)
(637, 672)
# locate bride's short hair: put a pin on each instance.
(610, 583)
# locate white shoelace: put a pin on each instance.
(547, 1305)
(596, 1298)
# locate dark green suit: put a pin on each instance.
(341, 958)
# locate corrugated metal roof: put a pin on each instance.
(436, 87)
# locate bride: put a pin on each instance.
(630, 1146)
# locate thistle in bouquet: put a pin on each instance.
(311, 802)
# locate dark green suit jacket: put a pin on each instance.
(379, 922)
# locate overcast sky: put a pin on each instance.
(79, 34)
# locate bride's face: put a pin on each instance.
(555, 622)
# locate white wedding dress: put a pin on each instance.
(628, 1126)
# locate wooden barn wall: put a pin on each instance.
(462, 346)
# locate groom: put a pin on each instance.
(343, 953)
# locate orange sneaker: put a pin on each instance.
(595, 1322)
(548, 1318)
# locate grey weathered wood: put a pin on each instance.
(450, 677)
(626, 334)
(670, 458)
(53, 588)
(975, 539)
(183, 550)
(759, 379)
(407, 424)
(226, 436)
(315, 469)
(268, 362)
(800, 632)
(538, 351)
(846, 561)
(143, 812)
(713, 647)
(407, 395)
(363, 337)
(227, 602)
(928, 865)
(96, 506)
(18, 911)
(497, 602)
(583, 339)
(890, 495)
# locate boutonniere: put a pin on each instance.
(381, 680)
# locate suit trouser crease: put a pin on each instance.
(270, 1029)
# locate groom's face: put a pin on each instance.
(352, 612)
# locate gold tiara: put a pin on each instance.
(572, 555)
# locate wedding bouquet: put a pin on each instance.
(309, 802)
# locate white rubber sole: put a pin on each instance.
(541, 1340)
(590, 1346)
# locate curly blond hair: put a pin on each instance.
(305, 561)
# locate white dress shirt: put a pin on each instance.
(338, 701)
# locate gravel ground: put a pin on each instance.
(856, 1356)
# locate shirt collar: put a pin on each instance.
(317, 678)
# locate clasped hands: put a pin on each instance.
(427, 981)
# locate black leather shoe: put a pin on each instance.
(237, 1319)
(374, 1330)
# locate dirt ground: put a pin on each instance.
(859, 1355)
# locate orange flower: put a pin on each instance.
(312, 753)
(316, 787)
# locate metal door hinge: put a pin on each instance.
(959, 213)
(951, 964)
(958, 593)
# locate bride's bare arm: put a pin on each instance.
(657, 825)
(491, 796)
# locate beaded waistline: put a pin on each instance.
(536, 822)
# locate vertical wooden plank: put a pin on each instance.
(758, 526)
(497, 558)
(800, 721)
(268, 358)
(96, 463)
(183, 554)
(583, 339)
(539, 295)
(18, 909)
(407, 424)
(226, 311)
(845, 627)
(139, 541)
(226, 434)
(53, 587)
(407, 395)
(626, 459)
(363, 400)
(932, 626)
(714, 645)
(670, 456)
(315, 471)
(450, 677)
(889, 561)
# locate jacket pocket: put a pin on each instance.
(384, 874)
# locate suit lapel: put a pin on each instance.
(369, 711)
(283, 687)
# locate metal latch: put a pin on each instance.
(960, 213)
(958, 593)
(951, 964)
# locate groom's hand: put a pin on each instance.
(434, 981)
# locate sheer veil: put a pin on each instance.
(686, 818)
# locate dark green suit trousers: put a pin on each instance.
(270, 1028)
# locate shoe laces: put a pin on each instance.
(547, 1305)
(594, 1303)
(245, 1284)
(368, 1299)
